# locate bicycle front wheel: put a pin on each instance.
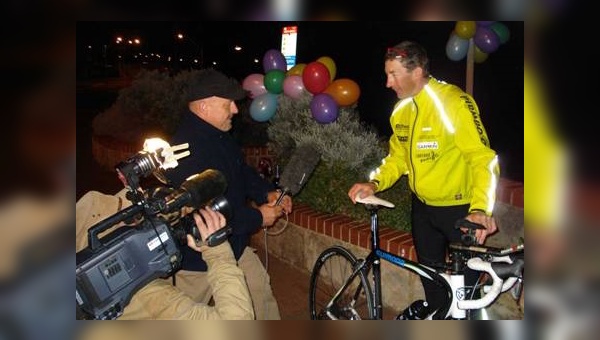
(332, 272)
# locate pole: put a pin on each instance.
(470, 67)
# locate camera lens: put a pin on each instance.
(220, 204)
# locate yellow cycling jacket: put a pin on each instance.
(439, 141)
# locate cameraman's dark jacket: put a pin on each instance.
(211, 148)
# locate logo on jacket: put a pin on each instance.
(401, 127)
(429, 156)
(432, 145)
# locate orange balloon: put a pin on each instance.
(344, 91)
(296, 70)
(330, 64)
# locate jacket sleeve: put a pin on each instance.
(161, 300)
(256, 186)
(392, 167)
(472, 140)
(246, 218)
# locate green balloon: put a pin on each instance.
(501, 31)
(274, 81)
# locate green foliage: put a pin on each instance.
(349, 152)
(327, 191)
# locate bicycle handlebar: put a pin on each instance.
(499, 285)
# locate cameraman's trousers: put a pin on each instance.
(195, 285)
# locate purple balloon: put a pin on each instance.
(486, 39)
(274, 60)
(255, 84)
(484, 23)
(324, 109)
(293, 86)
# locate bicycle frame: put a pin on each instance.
(377, 254)
(449, 275)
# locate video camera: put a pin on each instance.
(110, 270)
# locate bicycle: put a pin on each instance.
(340, 286)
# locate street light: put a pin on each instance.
(199, 48)
(127, 50)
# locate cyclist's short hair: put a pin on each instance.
(410, 54)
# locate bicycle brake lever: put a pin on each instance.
(464, 223)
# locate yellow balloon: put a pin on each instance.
(480, 56)
(296, 70)
(330, 64)
(465, 29)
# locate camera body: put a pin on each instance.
(113, 268)
(130, 257)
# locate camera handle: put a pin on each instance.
(129, 212)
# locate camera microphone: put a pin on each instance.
(298, 170)
(197, 190)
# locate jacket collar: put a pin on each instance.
(200, 126)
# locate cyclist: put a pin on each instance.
(440, 142)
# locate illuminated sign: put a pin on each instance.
(289, 36)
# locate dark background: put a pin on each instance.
(357, 48)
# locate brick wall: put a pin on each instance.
(357, 233)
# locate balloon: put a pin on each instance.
(486, 39)
(465, 29)
(296, 70)
(480, 56)
(315, 77)
(344, 91)
(293, 86)
(255, 84)
(263, 107)
(324, 109)
(501, 31)
(274, 60)
(274, 81)
(484, 23)
(456, 47)
(330, 64)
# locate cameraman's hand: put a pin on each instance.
(214, 221)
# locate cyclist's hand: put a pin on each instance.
(362, 189)
(487, 221)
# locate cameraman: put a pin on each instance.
(160, 299)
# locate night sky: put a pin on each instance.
(357, 48)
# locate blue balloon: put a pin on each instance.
(324, 108)
(263, 107)
(274, 60)
(456, 47)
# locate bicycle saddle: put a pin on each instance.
(374, 200)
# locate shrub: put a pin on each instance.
(153, 104)
(349, 152)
